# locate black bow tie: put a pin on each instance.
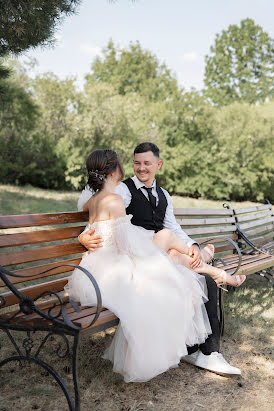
(151, 197)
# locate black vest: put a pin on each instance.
(143, 213)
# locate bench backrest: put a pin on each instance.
(209, 225)
(257, 222)
(31, 244)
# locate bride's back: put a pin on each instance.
(104, 206)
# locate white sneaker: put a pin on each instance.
(214, 362)
(191, 358)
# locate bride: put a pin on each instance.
(160, 305)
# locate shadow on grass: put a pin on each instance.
(246, 344)
(25, 203)
(249, 310)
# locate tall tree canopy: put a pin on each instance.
(134, 70)
(29, 23)
(240, 66)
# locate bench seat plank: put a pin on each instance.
(35, 290)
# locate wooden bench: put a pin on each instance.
(255, 228)
(40, 251)
(217, 226)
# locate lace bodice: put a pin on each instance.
(104, 228)
(125, 236)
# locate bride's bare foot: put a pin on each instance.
(208, 252)
(225, 278)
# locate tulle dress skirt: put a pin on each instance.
(160, 305)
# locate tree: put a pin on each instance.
(241, 65)
(134, 70)
(29, 23)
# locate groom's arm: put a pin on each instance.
(171, 223)
(88, 237)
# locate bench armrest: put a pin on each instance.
(244, 236)
(27, 305)
(235, 245)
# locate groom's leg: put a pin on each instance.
(212, 343)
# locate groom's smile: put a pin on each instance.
(145, 167)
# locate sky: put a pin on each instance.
(178, 32)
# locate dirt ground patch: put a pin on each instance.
(247, 344)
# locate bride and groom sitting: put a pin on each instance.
(151, 208)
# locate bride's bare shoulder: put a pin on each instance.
(115, 205)
(112, 197)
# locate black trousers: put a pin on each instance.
(212, 343)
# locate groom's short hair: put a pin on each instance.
(144, 147)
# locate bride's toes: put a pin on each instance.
(239, 279)
(235, 280)
(208, 253)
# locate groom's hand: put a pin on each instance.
(195, 254)
(91, 241)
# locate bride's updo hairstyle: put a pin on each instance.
(100, 163)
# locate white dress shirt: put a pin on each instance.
(122, 189)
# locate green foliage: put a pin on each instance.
(29, 23)
(241, 65)
(48, 128)
(105, 119)
(134, 70)
(26, 156)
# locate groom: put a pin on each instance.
(151, 207)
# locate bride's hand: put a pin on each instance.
(195, 254)
(91, 241)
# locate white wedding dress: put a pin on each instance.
(160, 305)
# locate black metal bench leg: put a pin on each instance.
(75, 372)
(26, 354)
(221, 312)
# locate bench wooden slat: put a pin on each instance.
(105, 317)
(34, 290)
(257, 223)
(34, 237)
(31, 220)
(201, 211)
(248, 261)
(205, 221)
(215, 238)
(256, 266)
(245, 210)
(208, 230)
(256, 216)
(35, 271)
(37, 254)
(264, 229)
(72, 314)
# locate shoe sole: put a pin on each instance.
(224, 374)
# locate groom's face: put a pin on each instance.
(145, 167)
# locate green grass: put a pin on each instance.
(247, 343)
(27, 199)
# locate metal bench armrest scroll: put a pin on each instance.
(235, 245)
(28, 305)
